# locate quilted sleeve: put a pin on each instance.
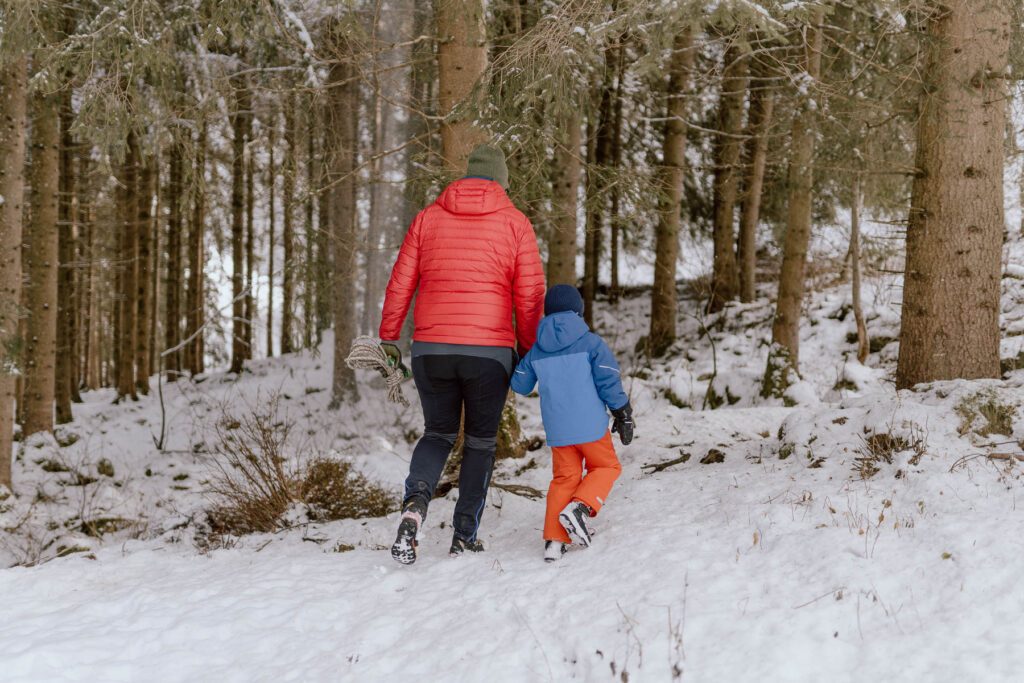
(527, 288)
(405, 277)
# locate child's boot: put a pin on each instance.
(553, 551)
(573, 517)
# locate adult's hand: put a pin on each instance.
(394, 356)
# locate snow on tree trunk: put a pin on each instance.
(13, 125)
(950, 314)
(784, 356)
(664, 303)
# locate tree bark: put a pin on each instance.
(64, 361)
(565, 183)
(863, 345)
(41, 264)
(725, 279)
(144, 283)
(461, 60)
(375, 230)
(250, 238)
(762, 104)
(309, 269)
(615, 217)
(238, 322)
(129, 217)
(271, 229)
(599, 153)
(342, 143)
(951, 289)
(664, 303)
(287, 235)
(783, 364)
(196, 317)
(13, 125)
(173, 288)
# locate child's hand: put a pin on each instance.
(623, 423)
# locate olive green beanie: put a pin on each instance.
(486, 161)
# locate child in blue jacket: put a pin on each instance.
(579, 379)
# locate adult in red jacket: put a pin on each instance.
(471, 258)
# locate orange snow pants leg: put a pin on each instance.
(569, 484)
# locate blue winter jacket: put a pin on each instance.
(578, 377)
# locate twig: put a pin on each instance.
(661, 466)
(519, 490)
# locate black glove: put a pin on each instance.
(394, 355)
(623, 423)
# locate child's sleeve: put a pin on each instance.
(607, 376)
(523, 377)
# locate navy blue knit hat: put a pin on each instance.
(563, 298)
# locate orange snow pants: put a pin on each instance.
(569, 482)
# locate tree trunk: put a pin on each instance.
(144, 284)
(371, 283)
(239, 335)
(271, 232)
(309, 269)
(783, 364)
(725, 279)
(196, 316)
(129, 217)
(40, 259)
(664, 302)
(250, 238)
(91, 309)
(64, 373)
(287, 235)
(565, 183)
(342, 142)
(324, 255)
(172, 286)
(758, 120)
(951, 290)
(615, 193)
(461, 61)
(599, 153)
(863, 345)
(13, 125)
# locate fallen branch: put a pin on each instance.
(1018, 457)
(519, 490)
(1006, 456)
(661, 466)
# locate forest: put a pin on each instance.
(797, 224)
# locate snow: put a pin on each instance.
(779, 563)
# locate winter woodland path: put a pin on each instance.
(733, 571)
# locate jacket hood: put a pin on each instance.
(474, 196)
(559, 330)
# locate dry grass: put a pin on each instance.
(254, 483)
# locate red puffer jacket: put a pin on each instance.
(474, 257)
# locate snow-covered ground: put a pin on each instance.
(762, 555)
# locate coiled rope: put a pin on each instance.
(367, 354)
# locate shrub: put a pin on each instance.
(254, 487)
(333, 490)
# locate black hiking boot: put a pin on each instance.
(459, 546)
(404, 548)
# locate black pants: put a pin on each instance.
(446, 385)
